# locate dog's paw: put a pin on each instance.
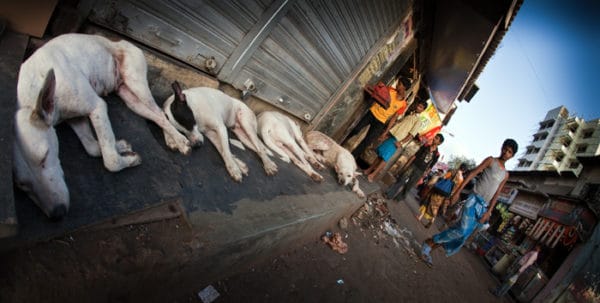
(270, 168)
(234, 171)
(131, 158)
(285, 159)
(123, 146)
(317, 165)
(241, 165)
(316, 177)
(180, 143)
(360, 193)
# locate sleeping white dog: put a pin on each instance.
(63, 81)
(283, 136)
(209, 111)
(332, 154)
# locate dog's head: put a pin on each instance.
(180, 110)
(345, 167)
(36, 166)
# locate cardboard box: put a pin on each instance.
(27, 16)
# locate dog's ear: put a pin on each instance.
(45, 107)
(179, 95)
(180, 110)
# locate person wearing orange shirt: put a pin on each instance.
(379, 117)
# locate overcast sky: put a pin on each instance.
(549, 57)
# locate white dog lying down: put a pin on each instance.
(332, 154)
(283, 136)
(210, 112)
(62, 81)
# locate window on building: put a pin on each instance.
(559, 158)
(581, 148)
(547, 124)
(588, 133)
(536, 150)
(529, 150)
(574, 165)
(573, 128)
(544, 136)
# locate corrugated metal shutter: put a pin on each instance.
(293, 54)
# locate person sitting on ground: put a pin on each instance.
(479, 204)
(379, 117)
(527, 260)
(416, 166)
(401, 133)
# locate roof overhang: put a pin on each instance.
(465, 35)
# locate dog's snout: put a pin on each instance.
(58, 212)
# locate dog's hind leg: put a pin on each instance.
(297, 156)
(113, 161)
(136, 94)
(308, 153)
(267, 137)
(246, 130)
(234, 166)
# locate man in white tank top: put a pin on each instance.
(478, 206)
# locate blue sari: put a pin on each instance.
(453, 238)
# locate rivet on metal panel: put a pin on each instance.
(210, 63)
(249, 85)
(307, 116)
(280, 99)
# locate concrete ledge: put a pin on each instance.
(12, 50)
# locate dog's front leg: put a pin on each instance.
(113, 161)
(234, 166)
(83, 130)
(357, 189)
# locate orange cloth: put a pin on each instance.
(396, 106)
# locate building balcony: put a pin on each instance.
(566, 134)
(560, 149)
(542, 132)
(550, 163)
(574, 122)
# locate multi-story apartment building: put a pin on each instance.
(558, 142)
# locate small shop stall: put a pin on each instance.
(557, 223)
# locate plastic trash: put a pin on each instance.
(208, 294)
(340, 282)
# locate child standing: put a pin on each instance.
(401, 133)
(415, 168)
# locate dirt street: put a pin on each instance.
(141, 263)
